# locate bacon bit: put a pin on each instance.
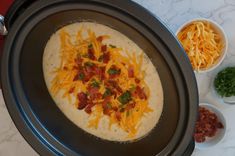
(107, 112)
(115, 108)
(104, 48)
(106, 57)
(92, 90)
(140, 92)
(130, 106)
(88, 109)
(137, 80)
(82, 97)
(97, 70)
(96, 96)
(65, 68)
(79, 60)
(118, 115)
(106, 100)
(100, 38)
(114, 94)
(89, 69)
(87, 77)
(106, 109)
(91, 54)
(71, 90)
(102, 73)
(75, 77)
(119, 89)
(130, 72)
(199, 137)
(89, 72)
(206, 125)
(75, 68)
(114, 84)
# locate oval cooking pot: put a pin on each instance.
(36, 115)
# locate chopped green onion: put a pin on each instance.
(225, 82)
(125, 97)
(95, 83)
(132, 87)
(81, 76)
(89, 64)
(107, 93)
(112, 71)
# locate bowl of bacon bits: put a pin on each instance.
(210, 126)
(205, 43)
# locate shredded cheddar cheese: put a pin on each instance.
(80, 75)
(202, 44)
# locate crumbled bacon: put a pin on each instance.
(106, 109)
(79, 60)
(88, 108)
(102, 73)
(82, 97)
(91, 54)
(199, 137)
(87, 77)
(75, 68)
(115, 108)
(140, 93)
(106, 57)
(71, 90)
(104, 48)
(137, 80)
(100, 38)
(97, 70)
(75, 77)
(130, 72)
(118, 115)
(65, 68)
(114, 85)
(95, 96)
(89, 72)
(130, 106)
(206, 125)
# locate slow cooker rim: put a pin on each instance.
(188, 70)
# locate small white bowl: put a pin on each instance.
(226, 100)
(211, 141)
(217, 28)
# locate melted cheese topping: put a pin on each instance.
(60, 70)
(65, 74)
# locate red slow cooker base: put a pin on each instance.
(4, 5)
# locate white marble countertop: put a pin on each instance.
(174, 13)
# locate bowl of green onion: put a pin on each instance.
(224, 84)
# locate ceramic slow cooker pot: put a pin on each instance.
(44, 126)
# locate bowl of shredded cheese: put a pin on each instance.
(205, 43)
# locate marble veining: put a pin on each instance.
(173, 13)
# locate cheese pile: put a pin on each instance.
(129, 120)
(202, 44)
